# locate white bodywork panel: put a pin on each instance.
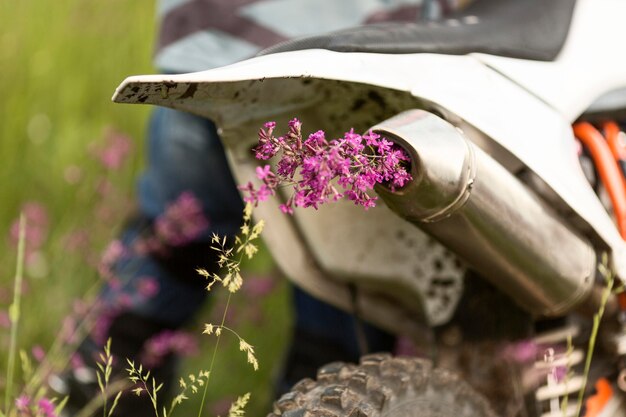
(590, 64)
(518, 111)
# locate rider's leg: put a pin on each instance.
(323, 334)
(185, 195)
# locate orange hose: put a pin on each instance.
(608, 169)
(617, 146)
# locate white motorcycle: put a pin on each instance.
(484, 104)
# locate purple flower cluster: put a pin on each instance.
(26, 407)
(182, 221)
(315, 167)
(162, 344)
(113, 153)
(114, 251)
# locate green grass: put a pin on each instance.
(60, 62)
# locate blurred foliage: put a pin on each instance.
(60, 63)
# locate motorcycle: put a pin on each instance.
(500, 242)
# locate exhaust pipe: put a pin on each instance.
(480, 211)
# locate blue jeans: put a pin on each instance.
(185, 155)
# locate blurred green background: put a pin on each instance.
(60, 62)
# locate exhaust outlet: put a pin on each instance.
(474, 206)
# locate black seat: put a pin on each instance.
(527, 29)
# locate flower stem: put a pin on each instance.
(14, 311)
(217, 343)
(597, 318)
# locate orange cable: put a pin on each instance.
(616, 144)
(618, 148)
(607, 168)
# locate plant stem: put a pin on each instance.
(59, 353)
(217, 343)
(96, 402)
(14, 311)
(597, 318)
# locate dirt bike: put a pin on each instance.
(496, 244)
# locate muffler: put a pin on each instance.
(475, 207)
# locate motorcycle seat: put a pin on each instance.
(526, 29)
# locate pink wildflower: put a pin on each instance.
(268, 144)
(263, 172)
(112, 254)
(316, 141)
(258, 287)
(182, 221)
(286, 208)
(254, 196)
(100, 331)
(355, 163)
(124, 301)
(116, 149)
(22, 402)
(38, 353)
(167, 342)
(76, 361)
(147, 287)
(46, 408)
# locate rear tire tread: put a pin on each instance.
(377, 387)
